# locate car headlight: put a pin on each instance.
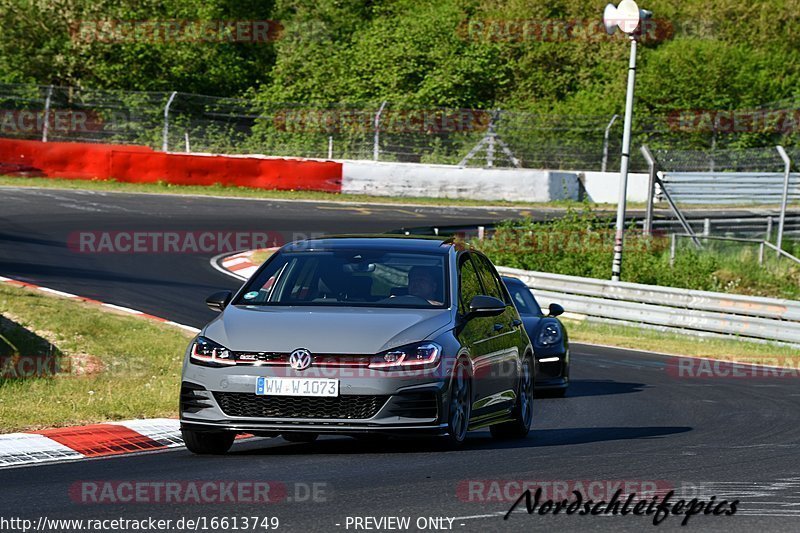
(549, 335)
(419, 355)
(208, 353)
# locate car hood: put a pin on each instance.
(343, 330)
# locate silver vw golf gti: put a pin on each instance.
(360, 336)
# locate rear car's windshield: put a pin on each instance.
(347, 278)
(524, 300)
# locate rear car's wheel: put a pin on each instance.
(460, 404)
(519, 427)
(299, 436)
(208, 442)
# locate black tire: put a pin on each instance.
(519, 427)
(208, 442)
(459, 404)
(299, 436)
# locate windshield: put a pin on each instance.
(524, 300)
(350, 278)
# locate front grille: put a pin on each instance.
(253, 406)
(282, 359)
(415, 405)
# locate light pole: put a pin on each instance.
(627, 17)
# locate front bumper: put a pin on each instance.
(552, 374)
(214, 399)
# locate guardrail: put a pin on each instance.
(651, 306)
(730, 187)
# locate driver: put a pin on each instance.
(422, 284)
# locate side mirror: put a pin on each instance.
(218, 300)
(555, 310)
(485, 306)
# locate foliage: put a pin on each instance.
(581, 244)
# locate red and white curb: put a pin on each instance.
(239, 265)
(85, 442)
(96, 440)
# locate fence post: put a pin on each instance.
(761, 253)
(787, 167)
(330, 146)
(165, 144)
(651, 189)
(46, 125)
(376, 148)
(186, 138)
(490, 144)
(706, 227)
(672, 248)
(604, 164)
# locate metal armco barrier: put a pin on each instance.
(653, 306)
(730, 187)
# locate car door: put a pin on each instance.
(478, 334)
(507, 332)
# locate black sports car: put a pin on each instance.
(548, 336)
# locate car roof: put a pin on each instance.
(407, 243)
(512, 281)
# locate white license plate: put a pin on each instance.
(297, 387)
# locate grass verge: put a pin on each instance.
(677, 344)
(119, 367)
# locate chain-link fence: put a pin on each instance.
(387, 131)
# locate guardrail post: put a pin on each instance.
(651, 189)
(787, 167)
(761, 253)
(376, 146)
(706, 227)
(673, 245)
(46, 125)
(186, 138)
(330, 147)
(165, 143)
(769, 229)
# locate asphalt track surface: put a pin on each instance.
(628, 416)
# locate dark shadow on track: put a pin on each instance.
(477, 441)
(597, 387)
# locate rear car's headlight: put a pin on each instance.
(419, 355)
(209, 353)
(549, 335)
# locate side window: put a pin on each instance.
(490, 279)
(469, 283)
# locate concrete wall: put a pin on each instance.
(603, 187)
(448, 181)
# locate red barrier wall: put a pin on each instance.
(139, 164)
